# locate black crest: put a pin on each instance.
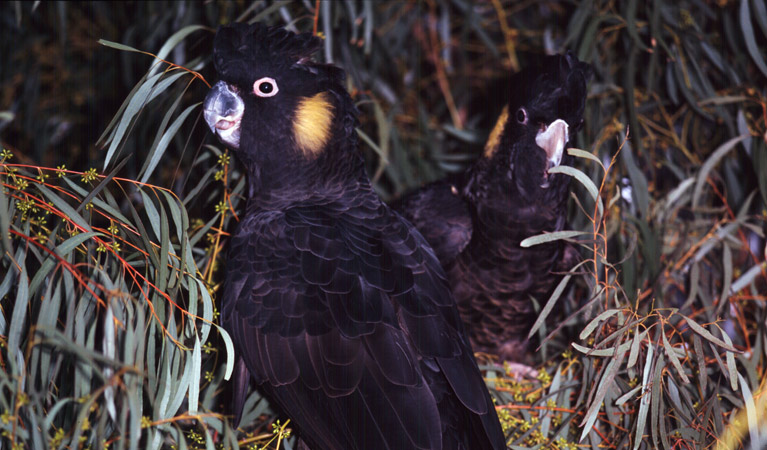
(237, 47)
(557, 85)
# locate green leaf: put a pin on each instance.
(761, 15)
(586, 155)
(81, 420)
(580, 176)
(644, 402)
(592, 325)
(194, 386)
(54, 410)
(712, 161)
(705, 334)
(64, 207)
(118, 46)
(109, 347)
(207, 309)
(142, 233)
(135, 105)
(635, 344)
(639, 189)
(622, 348)
(759, 158)
(109, 209)
(605, 383)
(701, 359)
(109, 132)
(754, 429)
(62, 250)
(548, 237)
(730, 358)
(748, 35)
(48, 317)
(229, 352)
(627, 396)
(163, 271)
(677, 192)
(181, 387)
(171, 43)
(164, 84)
(656, 401)
(467, 136)
(747, 278)
(727, 270)
(556, 382)
(163, 389)
(19, 315)
(631, 25)
(587, 45)
(672, 357)
(688, 94)
(585, 181)
(366, 139)
(5, 223)
(151, 211)
(134, 406)
(269, 11)
(208, 440)
(549, 305)
(158, 150)
(102, 184)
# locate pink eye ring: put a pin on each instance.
(522, 116)
(265, 87)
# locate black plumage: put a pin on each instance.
(476, 220)
(338, 307)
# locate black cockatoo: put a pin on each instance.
(338, 307)
(476, 221)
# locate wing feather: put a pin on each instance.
(356, 322)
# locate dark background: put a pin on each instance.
(680, 79)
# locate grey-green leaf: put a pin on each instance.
(134, 107)
(172, 42)
(705, 334)
(712, 160)
(159, 151)
(748, 35)
(549, 305)
(548, 237)
(64, 207)
(644, 402)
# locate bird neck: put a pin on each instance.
(280, 184)
(507, 214)
(488, 182)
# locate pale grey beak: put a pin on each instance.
(222, 110)
(552, 140)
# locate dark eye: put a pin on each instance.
(521, 115)
(265, 87)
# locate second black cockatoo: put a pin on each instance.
(476, 221)
(337, 306)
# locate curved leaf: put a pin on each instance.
(171, 43)
(159, 150)
(712, 161)
(548, 237)
(748, 35)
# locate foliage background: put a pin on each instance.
(118, 203)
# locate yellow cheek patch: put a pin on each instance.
(495, 136)
(311, 126)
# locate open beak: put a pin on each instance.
(222, 111)
(552, 139)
